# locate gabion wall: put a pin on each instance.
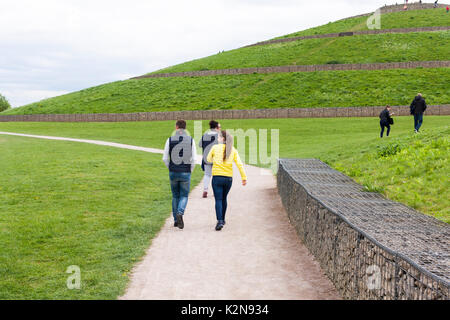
(370, 247)
(351, 33)
(224, 114)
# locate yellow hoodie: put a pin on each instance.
(221, 168)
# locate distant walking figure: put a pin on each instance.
(209, 139)
(386, 121)
(179, 157)
(417, 108)
(222, 156)
(447, 9)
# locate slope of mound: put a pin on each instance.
(358, 49)
(253, 91)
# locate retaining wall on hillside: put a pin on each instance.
(224, 114)
(354, 33)
(411, 6)
(304, 68)
(369, 247)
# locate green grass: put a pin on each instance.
(358, 49)
(349, 144)
(254, 91)
(412, 169)
(404, 19)
(64, 204)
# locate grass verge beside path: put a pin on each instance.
(67, 203)
(253, 91)
(412, 169)
(348, 144)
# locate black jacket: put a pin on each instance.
(385, 116)
(418, 105)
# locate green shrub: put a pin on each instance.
(4, 104)
(389, 150)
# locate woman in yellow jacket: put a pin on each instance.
(222, 156)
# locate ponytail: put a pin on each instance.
(228, 141)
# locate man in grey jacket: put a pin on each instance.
(179, 157)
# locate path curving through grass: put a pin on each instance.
(256, 256)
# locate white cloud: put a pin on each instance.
(50, 47)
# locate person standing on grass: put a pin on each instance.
(417, 108)
(179, 157)
(222, 156)
(447, 9)
(386, 121)
(209, 139)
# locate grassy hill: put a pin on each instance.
(278, 90)
(300, 90)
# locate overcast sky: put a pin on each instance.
(51, 47)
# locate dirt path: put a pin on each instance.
(256, 256)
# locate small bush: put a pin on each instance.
(4, 104)
(333, 62)
(389, 150)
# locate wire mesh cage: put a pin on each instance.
(369, 246)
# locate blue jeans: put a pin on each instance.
(221, 186)
(180, 183)
(418, 119)
(382, 125)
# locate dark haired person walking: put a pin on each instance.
(386, 121)
(209, 139)
(222, 156)
(417, 108)
(179, 157)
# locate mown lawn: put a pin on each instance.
(64, 204)
(253, 91)
(348, 144)
(404, 19)
(358, 49)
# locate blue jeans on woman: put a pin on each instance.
(221, 186)
(180, 183)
